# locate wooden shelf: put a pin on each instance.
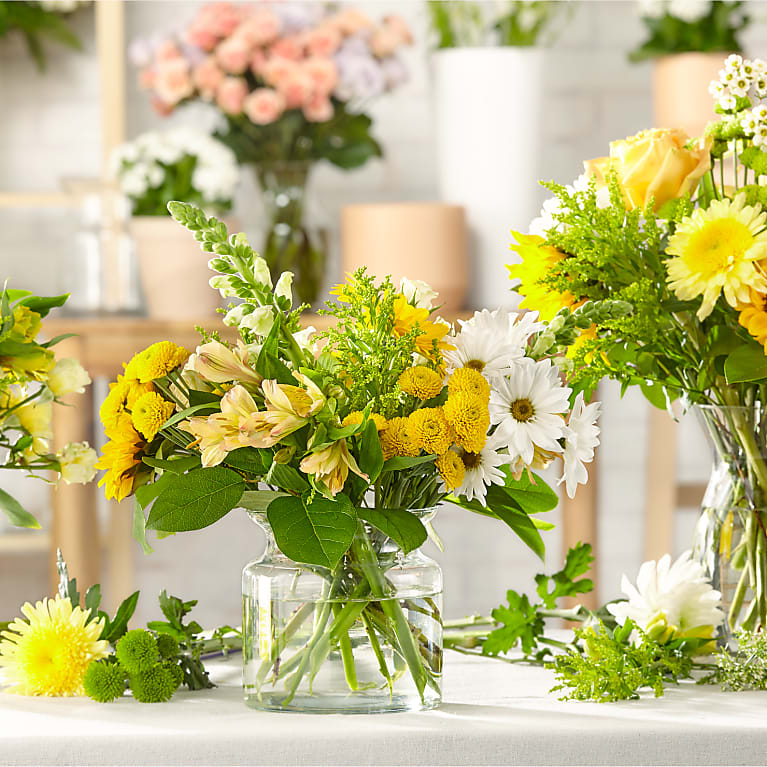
(11, 543)
(37, 200)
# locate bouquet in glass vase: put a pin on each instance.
(292, 82)
(676, 228)
(341, 445)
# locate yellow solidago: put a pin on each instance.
(469, 418)
(356, 417)
(421, 382)
(156, 361)
(49, 652)
(715, 251)
(431, 430)
(537, 261)
(406, 317)
(470, 381)
(398, 439)
(120, 457)
(753, 317)
(150, 412)
(451, 469)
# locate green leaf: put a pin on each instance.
(16, 513)
(533, 496)
(139, 525)
(286, 478)
(195, 500)
(402, 526)
(259, 500)
(58, 339)
(400, 462)
(197, 397)
(42, 305)
(564, 583)
(747, 363)
(520, 623)
(317, 533)
(174, 465)
(371, 455)
(119, 624)
(247, 459)
(93, 599)
(269, 364)
(184, 414)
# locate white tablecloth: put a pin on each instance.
(494, 714)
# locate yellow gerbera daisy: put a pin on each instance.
(406, 317)
(431, 430)
(150, 412)
(156, 361)
(469, 417)
(537, 261)
(356, 417)
(753, 317)
(398, 439)
(451, 469)
(470, 381)
(421, 382)
(49, 653)
(715, 251)
(120, 457)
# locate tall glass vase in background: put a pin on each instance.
(290, 242)
(731, 534)
(364, 637)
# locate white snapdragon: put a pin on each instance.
(223, 285)
(236, 315)
(261, 272)
(284, 287)
(260, 321)
(418, 293)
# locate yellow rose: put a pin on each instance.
(654, 164)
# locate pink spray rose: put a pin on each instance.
(264, 106)
(233, 54)
(351, 21)
(400, 27)
(291, 47)
(323, 41)
(258, 62)
(231, 94)
(384, 41)
(221, 18)
(323, 73)
(172, 81)
(207, 76)
(201, 37)
(318, 109)
(146, 78)
(297, 89)
(166, 51)
(277, 70)
(260, 28)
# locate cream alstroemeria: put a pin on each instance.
(288, 407)
(78, 463)
(218, 363)
(331, 466)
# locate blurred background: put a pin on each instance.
(467, 116)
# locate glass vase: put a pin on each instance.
(365, 637)
(290, 242)
(731, 533)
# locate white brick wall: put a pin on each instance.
(50, 129)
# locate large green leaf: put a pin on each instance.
(247, 459)
(371, 456)
(16, 513)
(269, 364)
(317, 533)
(43, 304)
(532, 495)
(174, 465)
(286, 478)
(259, 500)
(403, 527)
(405, 462)
(747, 363)
(195, 500)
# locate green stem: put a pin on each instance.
(376, 646)
(350, 672)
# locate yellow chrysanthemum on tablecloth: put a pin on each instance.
(49, 653)
(120, 457)
(150, 412)
(469, 417)
(451, 469)
(537, 261)
(356, 417)
(156, 361)
(421, 382)
(469, 381)
(753, 317)
(398, 439)
(406, 317)
(715, 251)
(431, 430)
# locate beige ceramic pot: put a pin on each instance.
(419, 240)
(680, 90)
(173, 270)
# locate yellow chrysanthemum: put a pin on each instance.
(753, 317)
(470, 381)
(421, 382)
(49, 653)
(116, 407)
(451, 469)
(150, 412)
(398, 439)
(356, 417)
(406, 317)
(120, 457)
(537, 261)
(156, 361)
(715, 251)
(431, 430)
(26, 323)
(469, 418)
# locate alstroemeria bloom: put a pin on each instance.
(288, 407)
(218, 363)
(331, 466)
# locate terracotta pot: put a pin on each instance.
(420, 240)
(680, 90)
(173, 270)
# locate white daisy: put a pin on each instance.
(582, 437)
(679, 594)
(482, 470)
(527, 405)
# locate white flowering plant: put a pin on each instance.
(690, 26)
(32, 381)
(177, 164)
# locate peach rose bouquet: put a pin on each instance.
(291, 82)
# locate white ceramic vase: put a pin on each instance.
(488, 132)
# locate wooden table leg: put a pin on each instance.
(75, 525)
(661, 484)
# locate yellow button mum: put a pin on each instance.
(431, 430)
(156, 361)
(451, 469)
(421, 382)
(49, 653)
(398, 438)
(150, 412)
(753, 317)
(715, 251)
(469, 417)
(356, 416)
(470, 381)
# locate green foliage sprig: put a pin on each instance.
(746, 667)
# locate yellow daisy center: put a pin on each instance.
(477, 365)
(522, 410)
(471, 460)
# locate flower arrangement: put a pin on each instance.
(32, 381)
(686, 26)
(519, 23)
(178, 164)
(396, 412)
(675, 228)
(292, 82)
